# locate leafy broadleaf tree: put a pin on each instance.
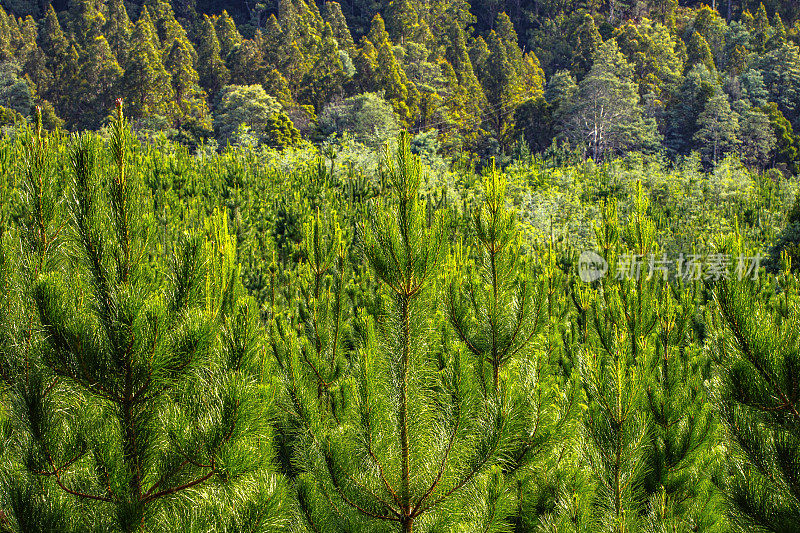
(605, 113)
(719, 128)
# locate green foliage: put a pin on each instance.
(315, 336)
(135, 387)
(15, 93)
(478, 79)
(497, 309)
(718, 128)
(245, 104)
(368, 117)
(757, 350)
(604, 114)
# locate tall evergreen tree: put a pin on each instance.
(778, 37)
(697, 87)
(390, 77)
(189, 97)
(758, 138)
(458, 56)
(718, 131)
(366, 65)
(787, 145)
(146, 83)
(87, 21)
(227, 34)
(761, 29)
(403, 20)
(212, 70)
(272, 42)
(651, 49)
(587, 40)
(325, 80)
(100, 78)
(781, 71)
(56, 49)
(118, 30)
(699, 52)
(415, 439)
(332, 14)
(246, 62)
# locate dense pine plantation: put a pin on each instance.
(354, 341)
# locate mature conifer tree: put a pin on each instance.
(366, 64)
(325, 80)
(210, 66)
(458, 56)
(246, 63)
(761, 29)
(56, 48)
(390, 77)
(403, 20)
(118, 30)
(189, 97)
(587, 41)
(87, 21)
(332, 13)
(699, 52)
(100, 78)
(227, 34)
(147, 84)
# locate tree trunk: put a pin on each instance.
(405, 446)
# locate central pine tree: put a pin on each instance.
(498, 309)
(416, 438)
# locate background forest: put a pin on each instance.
(485, 78)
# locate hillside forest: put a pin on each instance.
(478, 79)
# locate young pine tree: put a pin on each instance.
(756, 345)
(498, 308)
(417, 440)
(140, 409)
